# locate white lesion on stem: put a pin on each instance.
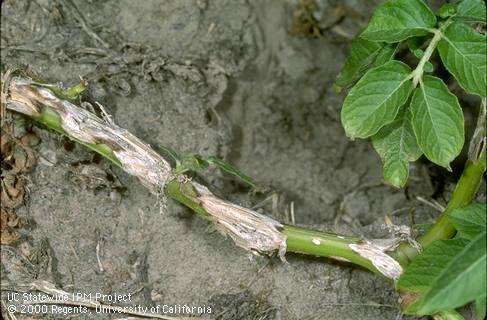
(375, 252)
(135, 157)
(249, 229)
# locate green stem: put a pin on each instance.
(464, 193)
(305, 241)
(184, 193)
(448, 315)
(299, 240)
(323, 244)
(51, 120)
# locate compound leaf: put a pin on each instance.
(396, 145)
(472, 10)
(463, 52)
(376, 99)
(454, 284)
(437, 121)
(470, 220)
(363, 55)
(397, 20)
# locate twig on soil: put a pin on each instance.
(433, 203)
(100, 265)
(293, 221)
(82, 21)
(370, 304)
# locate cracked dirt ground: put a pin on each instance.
(239, 80)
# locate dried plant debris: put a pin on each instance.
(13, 190)
(17, 159)
(316, 18)
(92, 176)
(8, 221)
(304, 22)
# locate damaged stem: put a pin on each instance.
(249, 229)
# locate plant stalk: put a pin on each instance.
(51, 120)
(323, 244)
(465, 191)
(448, 315)
(247, 228)
(298, 239)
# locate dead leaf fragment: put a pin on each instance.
(8, 220)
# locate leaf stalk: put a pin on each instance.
(419, 70)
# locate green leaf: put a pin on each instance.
(176, 156)
(396, 145)
(191, 162)
(376, 99)
(419, 275)
(418, 53)
(470, 220)
(437, 121)
(397, 20)
(428, 67)
(463, 52)
(186, 162)
(480, 307)
(228, 168)
(447, 10)
(363, 55)
(460, 281)
(472, 10)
